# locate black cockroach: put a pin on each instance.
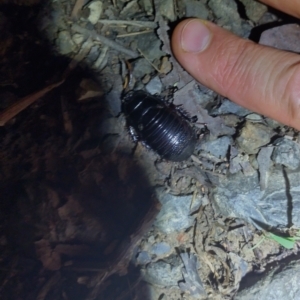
(159, 125)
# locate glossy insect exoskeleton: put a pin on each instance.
(159, 125)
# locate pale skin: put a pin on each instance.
(260, 78)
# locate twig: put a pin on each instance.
(104, 40)
(130, 23)
(77, 7)
(159, 71)
(134, 33)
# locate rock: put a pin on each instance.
(254, 10)
(96, 9)
(166, 8)
(143, 258)
(285, 37)
(264, 163)
(241, 196)
(175, 213)
(160, 249)
(148, 7)
(227, 16)
(141, 67)
(192, 283)
(196, 9)
(164, 273)
(287, 153)
(150, 46)
(219, 147)
(65, 43)
(229, 107)
(253, 136)
(93, 55)
(254, 117)
(78, 38)
(154, 86)
(281, 282)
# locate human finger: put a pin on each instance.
(291, 7)
(260, 78)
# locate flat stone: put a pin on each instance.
(227, 16)
(281, 282)
(279, 204)
(96, 10)
(174, 215)
(65, 43)
(160, 249)
(229, 107)
(154, 86)
(287, 153)
(196, 9)
(164, 273)
(219, 147)
(253, 136)
(254, 10)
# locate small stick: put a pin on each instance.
(133, 33)
(159, 71)
(104, 40)
(130, 23)
(77, 7)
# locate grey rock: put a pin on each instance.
(197, 202)
(154, 86)
(148, 7)
(254, 10)
(227, 15)
(204, 95)
(93, 55)
(264, 163)
(247, 168)
(164, 273)
(175, 213)
(272, 123)
(281, 282)
(285, 37)
(219, 147)
(96, 9)
(65, 43)
(166, 8)
(287, 153)
(281, 190)
(192, 282)
(235, 165)
(141, 67)
(229, 107)
(254, 118)
(143, 258)
(253, 136)
(196, 9)
(239, 263)
(150, 46)
(160, 249)
(240, 196)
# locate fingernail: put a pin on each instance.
(195, 36)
